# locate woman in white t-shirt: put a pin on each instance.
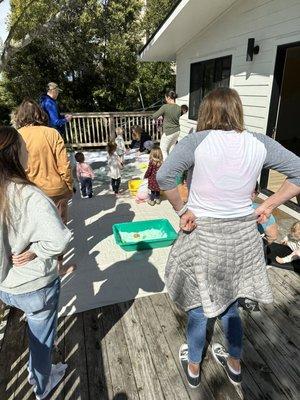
(218, 256)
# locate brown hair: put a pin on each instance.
(221, 109)
(11, 169)
(156, 155)
(295, 231)
(171, 94)
(79, 157)
(30, 113)
(111, 147)
(184, 109)
(137, 132)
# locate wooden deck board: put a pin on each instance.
(76, 379)
(173, 329)
(130, 351)
(121, 372)
(11, 361)
(98, 372)
(270, 359)
(166, 368)
(140, 356)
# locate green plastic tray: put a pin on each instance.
(140, 226)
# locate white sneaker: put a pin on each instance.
(57, 373)
(59, 366)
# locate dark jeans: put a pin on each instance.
(154, 195)
(86, 187)
(115, 183)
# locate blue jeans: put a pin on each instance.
(86, 186)
(196, 332)
(154, 195)
(41, 309)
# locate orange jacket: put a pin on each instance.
(48, 163)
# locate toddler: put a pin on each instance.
(85, 174)
(115, 166)
(292, 240)
(155, 162)
(121, 148)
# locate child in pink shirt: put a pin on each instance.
(85, 174)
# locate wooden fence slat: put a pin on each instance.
(88, 129)
(93, 130)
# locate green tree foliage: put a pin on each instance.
(155, 12)
(90, 49)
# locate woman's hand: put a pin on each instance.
(21, 259)
(263, 212)
(187, 221)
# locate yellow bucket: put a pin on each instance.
(133, 186)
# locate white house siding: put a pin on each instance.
(271, 23)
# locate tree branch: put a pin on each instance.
(11, 46)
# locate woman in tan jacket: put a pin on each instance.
(48, 163)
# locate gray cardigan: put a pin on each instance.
(35, 223)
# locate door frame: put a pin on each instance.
(273, 109)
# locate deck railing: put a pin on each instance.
(96, 129)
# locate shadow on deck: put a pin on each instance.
(129, 351)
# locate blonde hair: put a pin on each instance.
(119, 131)
(221, 109)
(111, 147)
(295, 231)
(156, 155)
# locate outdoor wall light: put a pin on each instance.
(251, 49)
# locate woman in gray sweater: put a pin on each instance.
(32, 235)
(218, 256)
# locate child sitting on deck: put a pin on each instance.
(115, 166)
(141, 140)
(85, 174)
(292, 240)
(155, 162)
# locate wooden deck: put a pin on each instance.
(276, 179)
(129, 351)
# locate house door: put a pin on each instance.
(283, 124)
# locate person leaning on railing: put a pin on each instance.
(32, 235)
(49, 104)
(48, 164)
